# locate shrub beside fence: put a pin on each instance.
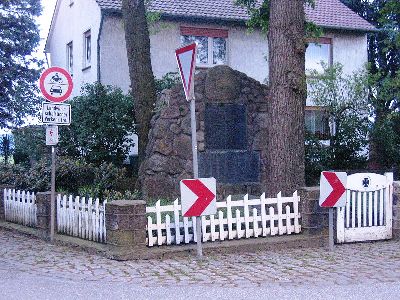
(20, 207)
(238, 219)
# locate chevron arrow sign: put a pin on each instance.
(333, 189)
(198, 197)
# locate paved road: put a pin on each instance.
(33, 269)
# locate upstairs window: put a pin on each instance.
(318, 50)
(212, 44)
(87, 55)
(317, 122)
(70, 58)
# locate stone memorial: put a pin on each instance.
(231, 113)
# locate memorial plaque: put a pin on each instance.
(225, 127)
(230, 167)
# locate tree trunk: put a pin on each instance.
(140, 69)
(285, 143)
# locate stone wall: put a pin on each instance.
(169, 155)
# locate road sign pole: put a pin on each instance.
(195, 170)
(53, 192)
(331, 242)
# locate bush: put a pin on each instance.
(72, 176)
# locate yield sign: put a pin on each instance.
(198, 197)
(186, 58)
(333, 189)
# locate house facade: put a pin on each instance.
(87, 38)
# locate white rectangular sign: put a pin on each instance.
(51, 135)
(56, 114)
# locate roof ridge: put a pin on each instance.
(327, 13)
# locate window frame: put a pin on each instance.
(87, 61)
(211, 34)
(324, 135)
(321, 41)
(70, 57)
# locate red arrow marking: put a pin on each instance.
(337, 192)
(205, 196)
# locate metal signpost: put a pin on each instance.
(332, 194)
(56, 86)
(186, 59)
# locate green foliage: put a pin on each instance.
(6, 147)
(102, 121)
(19, 70)
(259, 16)
(72, 176)
(384, 60)
(345, 98)
(167, 81)
(316, 159)
(30, 144)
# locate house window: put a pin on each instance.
(317, 122)
(70, 58)
(212, 44)
(87, 49)
(318, 50)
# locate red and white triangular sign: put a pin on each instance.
(186, 58)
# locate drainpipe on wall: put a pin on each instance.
(98, 48)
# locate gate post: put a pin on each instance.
(43, 202)
(396, 209)
(126, 228)
(314, 219)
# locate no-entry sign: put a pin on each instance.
(333, 189)
(198, 197)
(56, 84)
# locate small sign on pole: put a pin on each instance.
(51, 135)
(332, 194)
(198, 197)
(56, 84)
(56, 114)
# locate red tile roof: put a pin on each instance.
(327, 13)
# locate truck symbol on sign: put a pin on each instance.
(56, 89)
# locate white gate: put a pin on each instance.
(367, 215)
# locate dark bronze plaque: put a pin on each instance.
(230, 166)
(225, 127)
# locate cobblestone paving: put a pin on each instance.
(347, 264)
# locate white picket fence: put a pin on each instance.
(20, 207)
(81, 217)
(245, 218)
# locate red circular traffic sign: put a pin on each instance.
(56, 84)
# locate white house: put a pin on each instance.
(87, 38)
